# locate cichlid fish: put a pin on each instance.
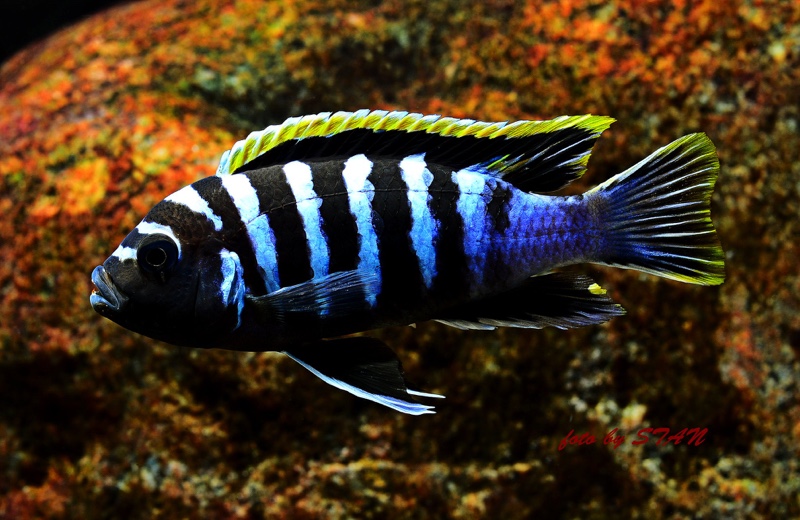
(332, 224)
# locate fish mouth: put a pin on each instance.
(106, 298)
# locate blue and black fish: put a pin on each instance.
(332, 224)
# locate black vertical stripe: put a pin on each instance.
(498, 207)
(234, 233)
(338, 223)
(402, 282)
(276, 199)
(498, 270)
(452, 271)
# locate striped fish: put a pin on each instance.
(332, 224)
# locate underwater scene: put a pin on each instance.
(630, 349)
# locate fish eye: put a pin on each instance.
(157, 254)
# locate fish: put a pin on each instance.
(333, 224)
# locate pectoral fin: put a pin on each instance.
(561, 300)
(365, 367)
(333, 296)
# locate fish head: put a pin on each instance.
(171, 284)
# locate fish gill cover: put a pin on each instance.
(102, 120)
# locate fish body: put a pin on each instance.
(332, 224)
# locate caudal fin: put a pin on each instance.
(656, 215)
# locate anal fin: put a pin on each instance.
(561, 300)
(364, 367)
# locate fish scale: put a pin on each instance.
(332, 224)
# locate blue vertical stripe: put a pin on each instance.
(360, 193)
(231, 289)
(424, 227)
(124, 253)
(261, 237)
(298, 175)
(473, 198)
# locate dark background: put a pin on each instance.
(25, 21)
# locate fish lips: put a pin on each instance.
(106, 299)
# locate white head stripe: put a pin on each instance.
(189, 197)
(123, 253)
(149, 228)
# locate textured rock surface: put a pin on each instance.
(105, 118)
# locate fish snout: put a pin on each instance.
(106, 299)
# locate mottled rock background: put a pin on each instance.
(103, 119)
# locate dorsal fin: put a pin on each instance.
(539, 156)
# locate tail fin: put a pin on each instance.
(656, 214)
